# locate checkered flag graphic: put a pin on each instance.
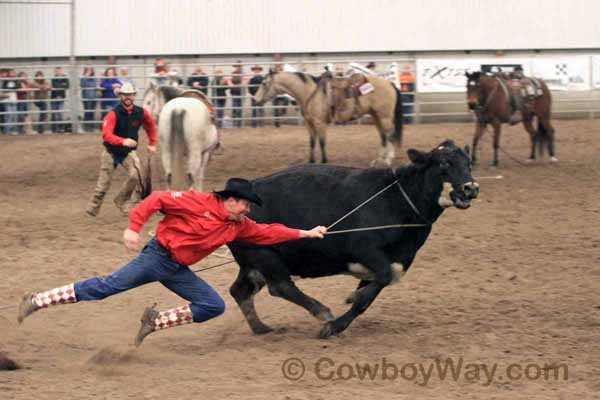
(561, 69)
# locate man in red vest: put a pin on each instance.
(120, 134)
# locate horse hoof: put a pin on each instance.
(351, 298)
(553, 159)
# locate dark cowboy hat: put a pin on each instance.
(257, 68)
(241, 189)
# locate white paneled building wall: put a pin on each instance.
(42, 28)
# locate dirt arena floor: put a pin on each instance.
(512, 282)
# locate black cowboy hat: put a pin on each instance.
(241, 189)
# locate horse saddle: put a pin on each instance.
(356, 85)
(196, 94)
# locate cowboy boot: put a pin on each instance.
(93, 207)
(34, 301)
(153, 320)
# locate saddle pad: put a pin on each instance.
(365, 88)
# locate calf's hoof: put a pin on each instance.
(262, 330)
(327, 331)
(325, 316)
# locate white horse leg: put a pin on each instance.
(389, 153)
(201, 138)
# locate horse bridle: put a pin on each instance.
(499, 83)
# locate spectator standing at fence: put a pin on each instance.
(108, 84)
(23, 96)
(3, 98)
(237, 92)
(10, 86)
(258, 112)
(89, 85)
(120, 134)
(161, 72)
(60, 84)
(124, 76)
(219, 96)
(198, 80)
(407, 85)
(41, 87)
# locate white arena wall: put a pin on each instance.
(42, 28)
(435, 38)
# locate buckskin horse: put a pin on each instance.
(316, 97)
(493, 99)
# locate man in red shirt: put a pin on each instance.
(120, 134)
(194, 225)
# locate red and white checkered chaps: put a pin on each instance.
(60, 295)
(174, 317)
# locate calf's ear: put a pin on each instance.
(467, 150)
(417, 157)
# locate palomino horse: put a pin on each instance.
(493, 100)
(186, 132)
(314, 95)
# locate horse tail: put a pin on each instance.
(398, 118)
(178, 150)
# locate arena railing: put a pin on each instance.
(22, 115)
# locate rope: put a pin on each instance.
(373, 228)
(213, 266)
(362, 204)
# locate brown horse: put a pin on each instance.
(493, 99)
(316, 99)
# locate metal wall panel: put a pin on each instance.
(34, 30)
(139, 27)
(267, 26)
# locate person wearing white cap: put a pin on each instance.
(120, 134)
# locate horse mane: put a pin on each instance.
(306, 77)
(169, 92)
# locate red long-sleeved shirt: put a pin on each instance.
(110, 120)
(196, 224)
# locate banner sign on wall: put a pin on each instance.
(448, 75)
(443, 75)
(560, 73)
(596, 71)
(563, 73)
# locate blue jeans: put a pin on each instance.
(155, 264)
(10, 119)
(43, 106)
(57, 106)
